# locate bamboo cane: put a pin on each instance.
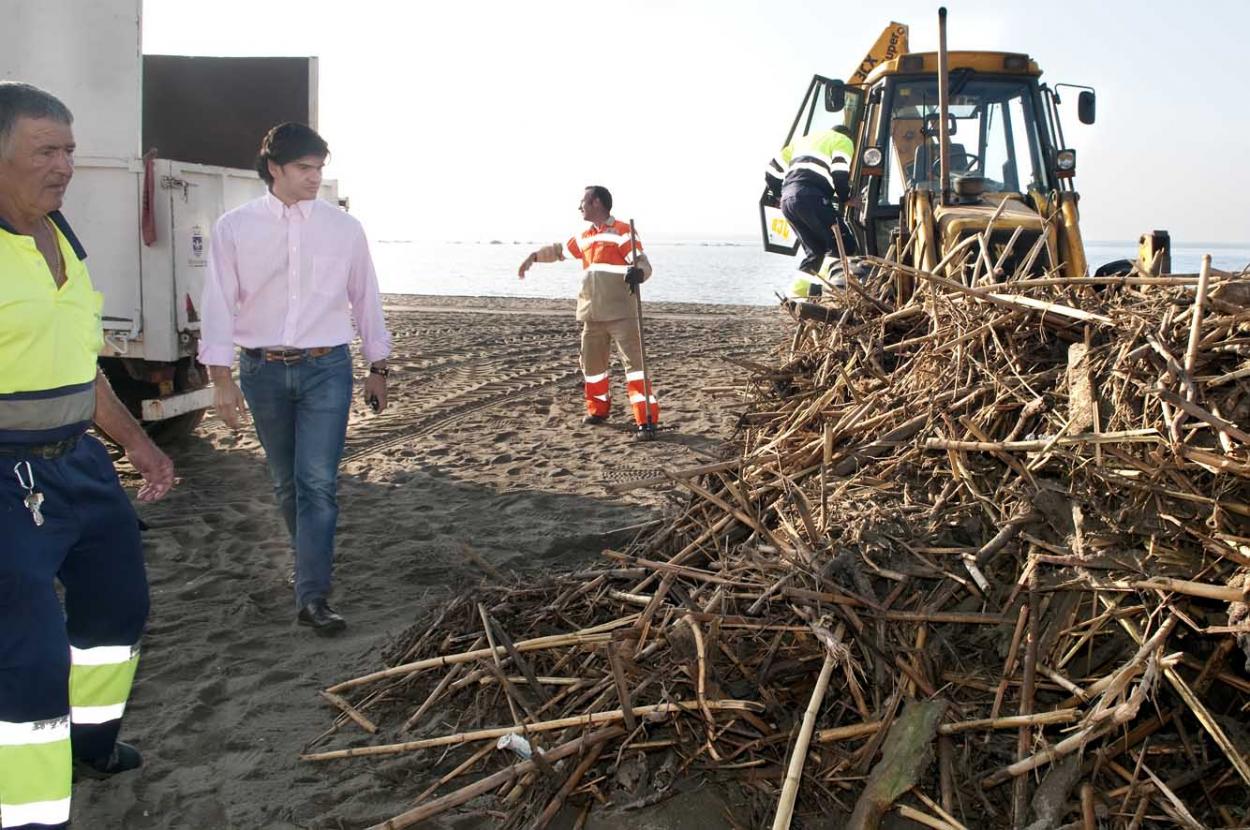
(798, 756)
(589, 719)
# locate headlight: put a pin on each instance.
(872, 157)
(1065, 160)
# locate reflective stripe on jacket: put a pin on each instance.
(49, 339)
(817, 156)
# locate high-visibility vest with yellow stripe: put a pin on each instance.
(50, 338)
(816, 156)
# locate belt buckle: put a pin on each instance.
(292, 357)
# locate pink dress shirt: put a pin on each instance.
(289, 277)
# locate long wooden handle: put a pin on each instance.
(642, 346)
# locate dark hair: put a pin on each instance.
(601, 193)
(19, 100)
(287, 142)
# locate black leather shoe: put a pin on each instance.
(123, 758)
(594, 420)
(323, 619)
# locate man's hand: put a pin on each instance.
(155, 467)
(228, 400)
(634, 278)
(525, 266)
(375, 387)
(112, 417)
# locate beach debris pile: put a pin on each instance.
(981, 562)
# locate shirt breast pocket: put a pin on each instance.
(329, 276)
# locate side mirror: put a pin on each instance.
(932, 128)
(1085, 106)
(835, 96)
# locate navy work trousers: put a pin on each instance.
(813, 214)
(300, 410)
(89, 540)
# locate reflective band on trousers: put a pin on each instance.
(101, 655)
(48, 409)
(50, 813)
(97, 714)
(635, 387)
(606, 268)
(99, 682)
(38, 732)
(34, 772)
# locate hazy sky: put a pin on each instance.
(484, 118)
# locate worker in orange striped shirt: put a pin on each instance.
(607, 308)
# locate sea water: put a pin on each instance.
(735, 272)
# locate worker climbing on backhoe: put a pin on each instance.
(811, 177)
(609, 307)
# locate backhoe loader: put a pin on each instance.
(955, 151)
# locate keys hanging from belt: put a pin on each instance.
(34, 499)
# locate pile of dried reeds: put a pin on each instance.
(981, 563)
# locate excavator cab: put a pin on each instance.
(1008, 173)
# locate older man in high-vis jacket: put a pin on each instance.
(65, 675)
(607, 308)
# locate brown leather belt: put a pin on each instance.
(288, 356)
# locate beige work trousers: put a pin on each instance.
(597, 339)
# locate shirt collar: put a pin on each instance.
(58, 219)
(610, 222)
(278, 209)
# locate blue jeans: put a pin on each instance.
(300, 411)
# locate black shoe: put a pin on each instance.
(646, 432)
(323, 619)
(594, 420)
(123, 758)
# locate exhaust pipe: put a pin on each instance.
(944, 139)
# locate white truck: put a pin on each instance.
(203, 119)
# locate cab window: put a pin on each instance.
(995, 135)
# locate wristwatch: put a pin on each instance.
(379, 370)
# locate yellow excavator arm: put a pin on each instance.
(891, 43)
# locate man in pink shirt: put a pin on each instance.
(287, 275)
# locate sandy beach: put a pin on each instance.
(483, 447)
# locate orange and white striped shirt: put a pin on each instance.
(606, 252)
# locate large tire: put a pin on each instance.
(1115, 268)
